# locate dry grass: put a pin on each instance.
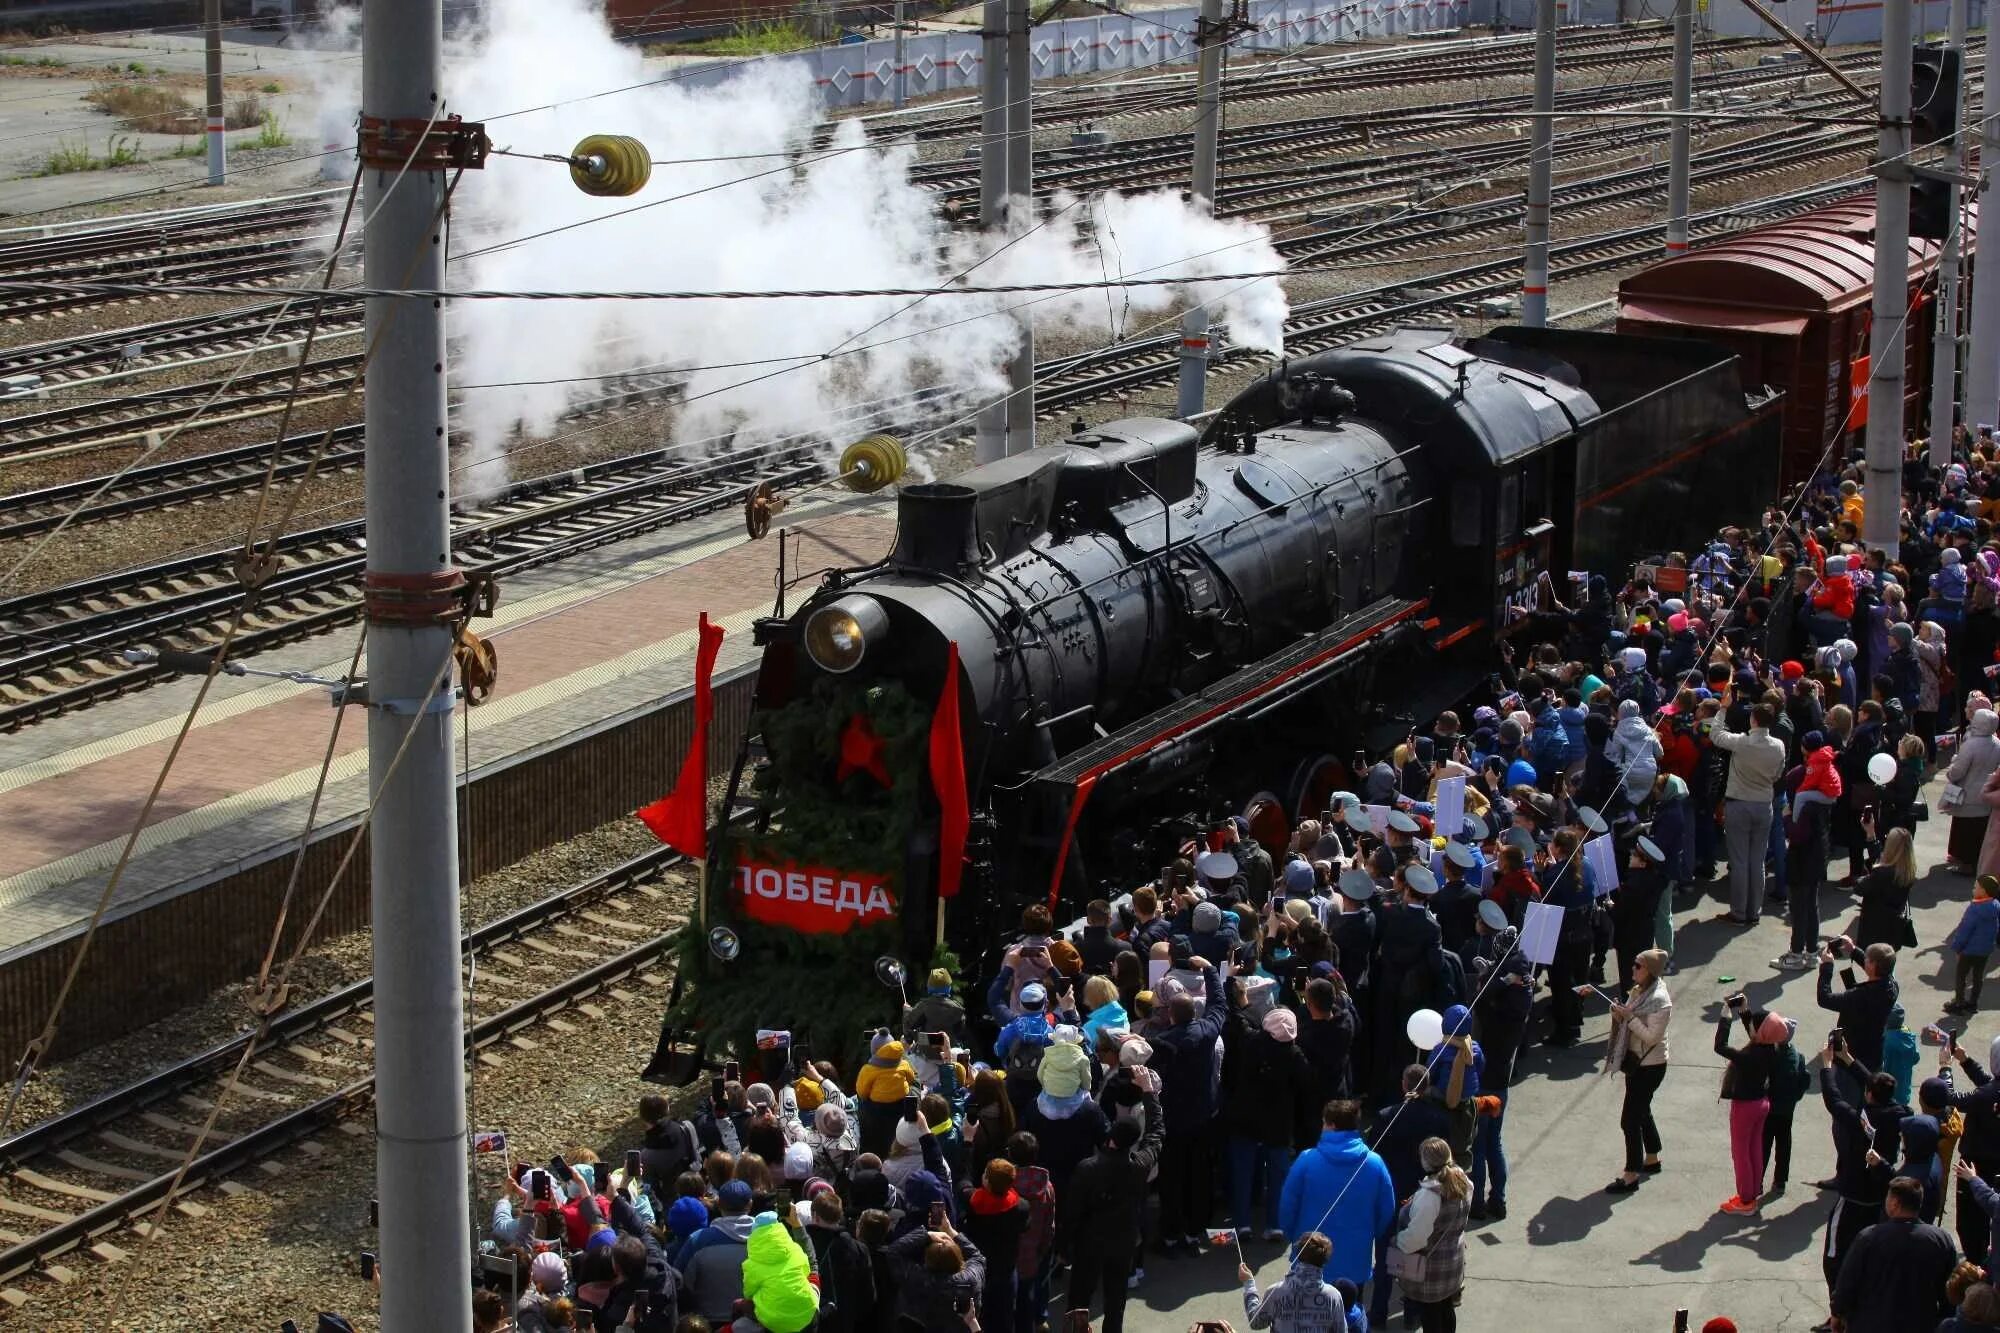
(153, 109)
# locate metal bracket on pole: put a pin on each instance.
(450, 143)
(444, 701)
(1959, 178)
(415, 599)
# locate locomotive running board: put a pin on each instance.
(1252, 688)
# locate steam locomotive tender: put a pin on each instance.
(1154, 628)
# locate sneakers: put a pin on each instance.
(1477, 1213)
(1193, 1241)
(1739, 1206)
(1793, 961)
(1496, 1210)
(1273, 1234)
(1137, 1276)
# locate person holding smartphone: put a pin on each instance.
(938, 1274)
(1746, 1086)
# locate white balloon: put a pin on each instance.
(1882, 769)
(1425, 1029)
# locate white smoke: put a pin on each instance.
(740, 201)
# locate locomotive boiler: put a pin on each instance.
(1092, 649)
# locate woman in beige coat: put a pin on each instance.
(1977, 758)
(1989, 848)
(1639, 1051)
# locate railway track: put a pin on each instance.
(70, 1183)
(1362, 241)
(259, 241)
(1291, 77)
(65, 647)
(1288, 152)
(236, 247)
(1163, 159)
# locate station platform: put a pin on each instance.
(579, 641)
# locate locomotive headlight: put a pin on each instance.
(838, 634)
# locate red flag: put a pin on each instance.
(680, 818)
(948, 778)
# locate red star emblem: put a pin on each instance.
(861, 751)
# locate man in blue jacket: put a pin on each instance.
(1341, 1189)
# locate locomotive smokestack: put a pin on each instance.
(937, 527)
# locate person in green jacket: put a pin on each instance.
(777, 1278)
(1790, 1081)
(1899, 1053)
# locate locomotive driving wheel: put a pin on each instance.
(1316, 780)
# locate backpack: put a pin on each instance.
(1791, 1081)
(1024, 1059)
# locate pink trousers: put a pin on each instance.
(1746, 1146)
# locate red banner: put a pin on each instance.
(813, 899)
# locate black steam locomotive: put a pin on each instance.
(1149, 621)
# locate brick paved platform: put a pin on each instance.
(579, 642)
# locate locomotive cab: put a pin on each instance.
(1494, 443)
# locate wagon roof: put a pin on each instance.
(1820, 262)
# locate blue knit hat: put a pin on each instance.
(687, 1216)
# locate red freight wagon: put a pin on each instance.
(1792, 300)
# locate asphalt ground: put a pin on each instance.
(1570, 1257)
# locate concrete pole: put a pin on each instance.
(1021, 199)
(991, 440)
(1982, 353)
(1207, 143)
(1944, 346)
(1541, 163)
(1680, 134)
(419, 1020)
(211, 24)
(1888, 332)
(902, 77)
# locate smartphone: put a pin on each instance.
(732, 1071)
(541, 1185)
(639, 1304)
(367, 1266)
(718, 1089)
(936, 1221)
(1847, 978)
(1680, 1321)
(289, 1326)
(375, 1205)
(910, 1108)
(560, 1166)
(961, 1304)
(632, 1168)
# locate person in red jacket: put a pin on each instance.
(1835, 598)
(1680, 749)
(1514, 887)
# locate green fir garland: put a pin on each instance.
(822, 987)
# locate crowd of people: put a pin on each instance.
(1313, 1045)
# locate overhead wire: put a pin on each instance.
(38, 1046)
